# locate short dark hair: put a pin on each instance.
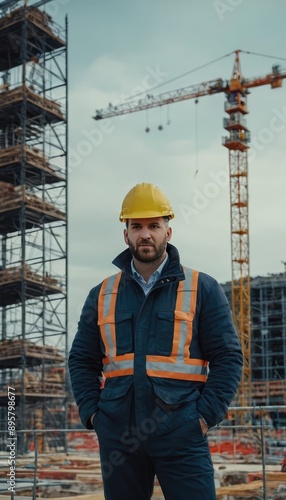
(166, 219)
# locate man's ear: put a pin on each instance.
(125, 234)
(169, 233)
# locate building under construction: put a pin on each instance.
(268, 338)
(33, 222)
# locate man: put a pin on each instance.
(163, 337)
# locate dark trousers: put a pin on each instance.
(180, 459)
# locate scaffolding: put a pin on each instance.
(268, 339)
(268, 321)
(33, 216)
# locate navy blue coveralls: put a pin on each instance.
(148, 424)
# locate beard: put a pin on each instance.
(149, 253)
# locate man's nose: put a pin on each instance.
(145, 233)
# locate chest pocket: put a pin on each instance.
(164, 333)
(117, 336)
(124, 332)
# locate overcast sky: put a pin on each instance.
(120, 48)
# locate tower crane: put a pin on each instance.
(237, 142)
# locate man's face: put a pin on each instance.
(147, 238)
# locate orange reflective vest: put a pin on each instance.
(178, 365)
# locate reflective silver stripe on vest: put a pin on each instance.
(177, 368)
(108, 294)
(187, 292)
(110, 323)
(124, 364)
(187, 285)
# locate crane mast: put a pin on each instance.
(237, 142)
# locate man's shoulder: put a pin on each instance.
(206, 282)
(107, 283)
(203, 277)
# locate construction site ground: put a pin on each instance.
(66, 464)
(78, 477)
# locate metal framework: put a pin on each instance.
(268, 338)
(237, 142)
(268, 322)
(240, 263)
(33, 217)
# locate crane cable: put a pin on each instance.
(180, 76)
(262, 55)
(196, 139)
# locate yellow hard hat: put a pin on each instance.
(144, 201)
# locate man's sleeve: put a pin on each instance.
(85, 360)
(221, 347)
